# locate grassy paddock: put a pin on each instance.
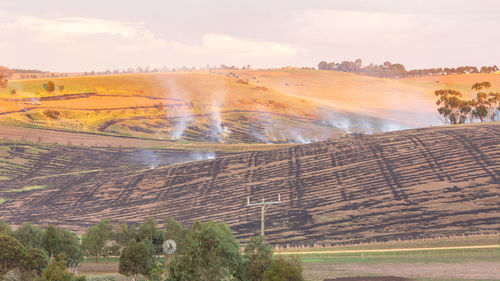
(423, 256)
(439, 241)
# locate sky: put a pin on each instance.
(74, 36)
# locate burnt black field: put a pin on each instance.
(399, 185)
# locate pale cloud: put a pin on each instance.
(103, 44)
(77, 36)
(231, 45)
(62, 26)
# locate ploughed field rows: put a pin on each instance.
(195, 106)
(399, 185)
(234, 126)
(22, 164)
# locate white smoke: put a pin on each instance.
(185, 115)
(180, 126)
(200, 155)
(351, 123)
(146, 157)
(221, 132)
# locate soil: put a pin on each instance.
(390, 186)
(470, 270)
(378, 278)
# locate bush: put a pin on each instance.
(12, 275)
(284, 269)
(52, 114)
(258, 255)
(210, 252)
(136, 259)
(56, 271)
(50, 86)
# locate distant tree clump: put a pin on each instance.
(4, 74)
(389, 70)
(207, 251)
(485, 107)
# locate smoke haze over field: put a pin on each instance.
(152, 159)
(261, 33)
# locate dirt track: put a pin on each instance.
(386, 250)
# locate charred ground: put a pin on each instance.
(399, 185)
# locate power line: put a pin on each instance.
(264, 206)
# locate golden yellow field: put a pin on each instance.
(270, 106)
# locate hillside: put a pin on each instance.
(177, 106)
(397, 185)
(231, 106)
(409, 102)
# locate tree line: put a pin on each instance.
(397, 70)
(454, 110)
(205, 251)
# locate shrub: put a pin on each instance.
(56, 271)
(50, 86)
(52, 114)
(258, 255)
(210, 252)
(12, 275)
(284, 269)
(12, 253)
(135, 259)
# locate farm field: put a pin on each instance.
(174, 106)
(430, 264)
(244, 106)
(381, 187)
(384, 98)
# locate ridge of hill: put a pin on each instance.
(231, 106)
(398, 185)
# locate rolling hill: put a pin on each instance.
(231, 106)
(397, 185)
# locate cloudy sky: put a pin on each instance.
(105, 34)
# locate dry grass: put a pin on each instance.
(28, 188)
(87, 103)
(439, 241)
(133, 101)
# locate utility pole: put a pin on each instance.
(264, 206)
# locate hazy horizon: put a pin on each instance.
(63, 36)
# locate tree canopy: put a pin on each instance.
(210, 253)
(135, 259)
(457, 111)
(258, 255)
